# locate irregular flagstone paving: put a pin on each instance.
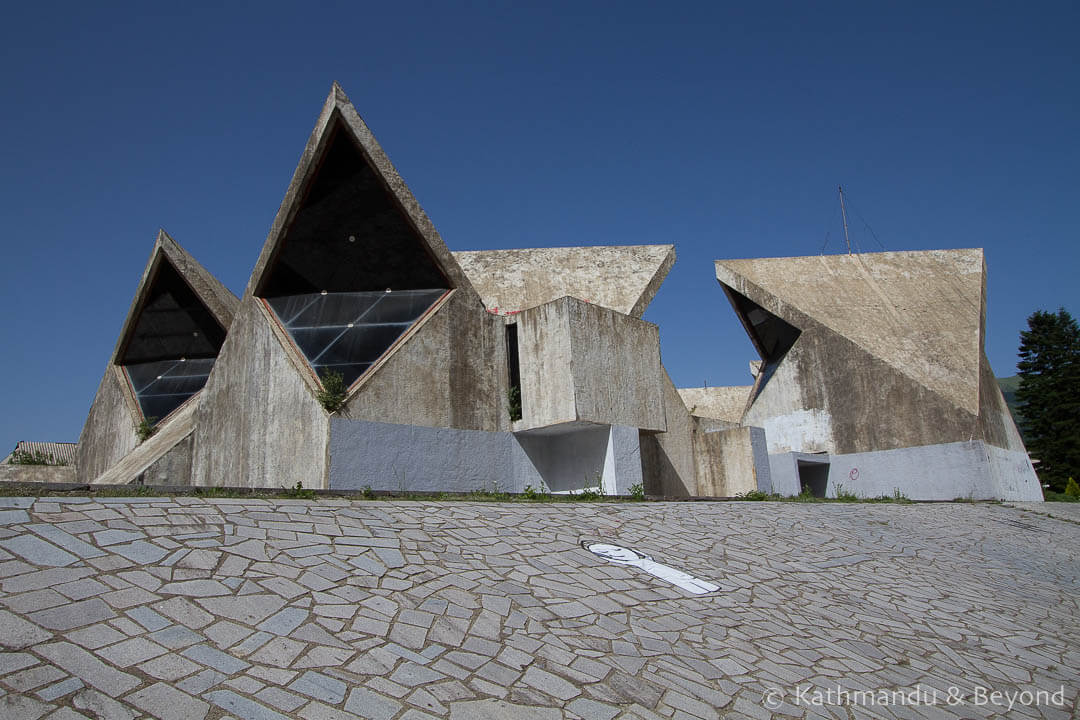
(194, 608)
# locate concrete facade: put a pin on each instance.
(569, 353)
(109, 433)
(871, 363)
(876, 353)
(622, 278)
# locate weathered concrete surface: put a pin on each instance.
(259, 423)
(622, 278)
(339, 114)
(109, 431)
(172, 468)
(572, 458)
(151, 451)
(450, 373)
(731, 461)
(37, 473)
(965, 470)
(837, 394)
(720, 403)
(667, 458)
(583, 362)
(200, 609)
(920, 312)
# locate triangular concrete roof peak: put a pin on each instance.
(622, 278)
(214, 296)
(339, 113)
(922, 312)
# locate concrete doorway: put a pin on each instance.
(813, 477)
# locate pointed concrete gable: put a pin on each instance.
(623, 278)
(348, 221)
(920, 312)
(726, 403)
(175, 299)
(173, 331)
(352, 264)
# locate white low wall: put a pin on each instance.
(969, 470)
(413, 458)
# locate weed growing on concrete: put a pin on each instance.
(367, 493)
(332, 395)
(299, 492)
(530, 493)
(34, 457)
(637, 492)
(146, 429)
(843, 495)
(513, 397)
(756, 495)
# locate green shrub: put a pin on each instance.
(1072, 489)
(756, 495)
(299, 492)
(637, 491)
(845, 495)
(34, 457)
(514, 400)
(332, 395)
(146, 429)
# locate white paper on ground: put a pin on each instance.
(626, 556)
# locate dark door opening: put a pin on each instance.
(813, 478)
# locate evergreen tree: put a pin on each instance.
(1049, 394)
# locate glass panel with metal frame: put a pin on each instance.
(346, 332)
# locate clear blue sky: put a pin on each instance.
(721, 128)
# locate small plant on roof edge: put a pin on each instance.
(146, 429)
(332, 394)
(34, 457)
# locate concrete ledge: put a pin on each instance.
(37, 473)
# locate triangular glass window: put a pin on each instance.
(172, 346)
(352, 274)
(347, 332)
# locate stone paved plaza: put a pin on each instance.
(192, 608)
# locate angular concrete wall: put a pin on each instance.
(829, 395)
(622, 278)
(109, 432)
(667, 458)
(450, 373)
(731, 461)
(259, 423)
(585, 363)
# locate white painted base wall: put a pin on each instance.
(969, 470)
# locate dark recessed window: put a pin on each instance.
(172, 345)
(352, 274)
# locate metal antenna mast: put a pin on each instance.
(844, 214)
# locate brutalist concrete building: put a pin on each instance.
(505, 369)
